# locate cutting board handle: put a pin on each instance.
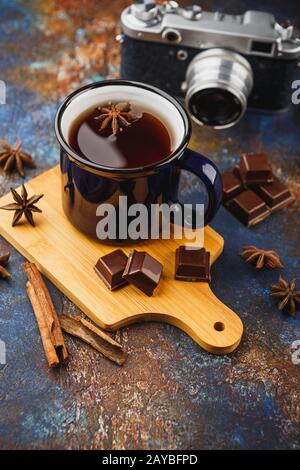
(213, 325)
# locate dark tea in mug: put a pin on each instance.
(120, 135)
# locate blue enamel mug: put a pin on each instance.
(86, 185)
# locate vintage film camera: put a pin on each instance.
(221, 63)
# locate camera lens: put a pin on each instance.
(215, 107)
(218, 83)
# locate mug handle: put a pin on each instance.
(209, 174)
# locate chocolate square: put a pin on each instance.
(276, 195)
(249, 208)
(110, 269)
(192, 264)
(143, 271)
(232, 185)
(254, 168)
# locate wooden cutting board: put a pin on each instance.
(67, 257)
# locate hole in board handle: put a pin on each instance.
(219, 326)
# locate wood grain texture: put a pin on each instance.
(67, 257)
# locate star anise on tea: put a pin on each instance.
(12, 158)
(115, 116)
(23, 205)
(4, 274)
(261, 258)
(289, 297)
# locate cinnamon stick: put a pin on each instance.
(48, 322)
(89, 333)
(49, 349)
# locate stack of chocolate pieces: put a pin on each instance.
(139, 269)
(251, 192)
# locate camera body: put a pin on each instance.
(220, 61)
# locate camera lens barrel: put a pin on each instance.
(218, 84)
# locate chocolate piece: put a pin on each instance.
(249, 208)
(143, 271)
(254, 168)
(192, 264)
(110, 269)
(232, 185)
(276, 195)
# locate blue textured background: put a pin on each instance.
(170, 394)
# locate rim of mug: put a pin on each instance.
(82, 162)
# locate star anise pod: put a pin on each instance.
(13, 158)
(115, 115)
(4, 274)
(261, 258)
(290, 298)
(23, 205)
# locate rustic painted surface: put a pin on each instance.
(170, 394)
